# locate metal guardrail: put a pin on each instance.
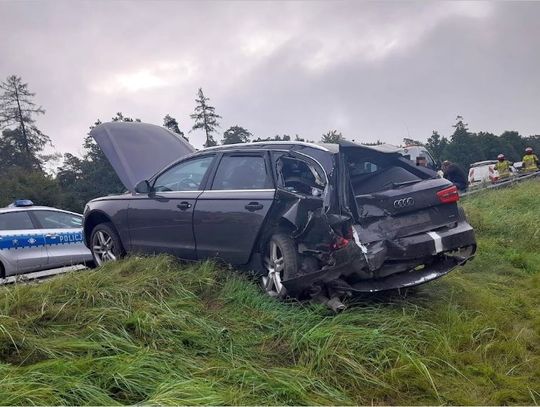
(503, 184)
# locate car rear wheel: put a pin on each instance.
(280, 263)
(106, 244)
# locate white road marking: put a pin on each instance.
(438, 241)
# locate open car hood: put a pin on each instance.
(137, 151)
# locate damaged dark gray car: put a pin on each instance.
(312, 220)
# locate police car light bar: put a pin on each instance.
(22, 203)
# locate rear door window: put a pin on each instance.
(58, 220)
(298, 176)
(242, 172)
(15, 221)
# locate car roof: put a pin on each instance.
(332, 148)
(480, 163)
(270, 144)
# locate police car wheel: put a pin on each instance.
(106, 244)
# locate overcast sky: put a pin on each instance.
(370, 70)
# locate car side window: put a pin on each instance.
(298, 176)
(58, 220)
(15, 221)
(242, 172)
(185, 176)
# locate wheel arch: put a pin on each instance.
(2, 270)
(93, 219)
(281, 225)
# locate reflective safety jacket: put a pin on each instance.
(530, 162)
(503, 167)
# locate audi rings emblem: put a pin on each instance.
(404, 203)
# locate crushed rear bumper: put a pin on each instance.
(400, 263)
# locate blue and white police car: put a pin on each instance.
(36, 238)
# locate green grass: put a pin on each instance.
(157, 332)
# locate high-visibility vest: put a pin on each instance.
(530, 162)
(503, 167)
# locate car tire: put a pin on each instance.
(105, 244)
(280, 264)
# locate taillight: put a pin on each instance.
(448, 195)
(340, 243)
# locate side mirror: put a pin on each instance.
(143, 187)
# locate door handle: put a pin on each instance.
(183, 206)
(254, 206)
(51, 235)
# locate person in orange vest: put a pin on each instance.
(503, 167)
(530, 161)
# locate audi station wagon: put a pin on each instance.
(320, 220)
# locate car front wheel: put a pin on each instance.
(280, 263)
(106, 244)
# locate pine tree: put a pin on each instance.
(17, 108)
(205, 118)
(436, 145)
(171, 123)
(332, 137)
(235, 135)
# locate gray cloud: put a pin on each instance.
(372, 70)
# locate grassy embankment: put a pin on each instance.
(153, 331)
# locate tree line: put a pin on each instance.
(23, 161)
(465, 147)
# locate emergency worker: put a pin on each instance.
(503, 167)
(530, 161)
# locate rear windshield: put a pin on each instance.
(370, 172)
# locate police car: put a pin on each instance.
(36, 238)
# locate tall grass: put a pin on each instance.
(153, 331)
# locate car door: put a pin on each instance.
(22, 244)
(230, 213)
(63, 237)
(162, 220)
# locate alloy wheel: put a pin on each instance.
(102, 247)
(274, 264)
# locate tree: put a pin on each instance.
(332, 137)
(205, 118)
(412, 142)
(235, 135)
(170, 123)
(18, 108)
(11, 155)
(376, 143)
(39, 187)
(463, 147)
(82, 179)
(277, 137)
(436, 145)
